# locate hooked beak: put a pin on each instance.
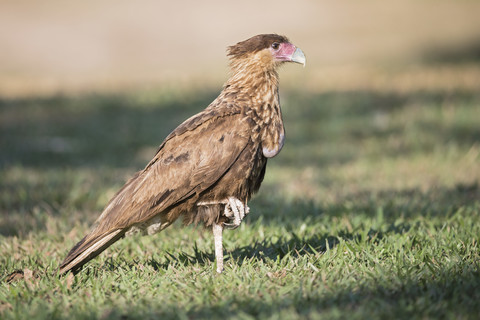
(299, 57)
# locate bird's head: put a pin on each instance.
(267, 50)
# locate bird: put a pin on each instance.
(207, 169)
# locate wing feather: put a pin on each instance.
(190, 160)
(186, 164)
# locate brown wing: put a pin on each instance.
(186, 164)
(190, 160)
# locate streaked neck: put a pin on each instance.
(252, 78)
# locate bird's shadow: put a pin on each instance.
(273, 250)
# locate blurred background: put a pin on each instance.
(50, 47)
(387, 106)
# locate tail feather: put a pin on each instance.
(86, 250)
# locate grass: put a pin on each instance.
(370, 211)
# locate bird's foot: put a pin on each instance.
(235, 210)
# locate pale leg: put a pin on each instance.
(217, 237)
(235, 210)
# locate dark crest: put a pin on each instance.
(254, 44)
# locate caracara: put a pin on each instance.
(208, 167)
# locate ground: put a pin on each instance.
(371, 210)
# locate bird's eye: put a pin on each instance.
(275, 45)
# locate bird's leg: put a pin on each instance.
(236, 211)
(217, 237)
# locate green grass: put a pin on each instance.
(371, 211)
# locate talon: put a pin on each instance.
(237, 207)
(231, 226)
(235, 210)
(228, 212)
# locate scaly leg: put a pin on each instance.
(235, 210)
(217, 237)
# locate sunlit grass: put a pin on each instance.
(372, 210)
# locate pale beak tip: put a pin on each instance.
(299, 57)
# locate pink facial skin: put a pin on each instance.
(284, 52)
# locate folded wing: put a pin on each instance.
(192, 159)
